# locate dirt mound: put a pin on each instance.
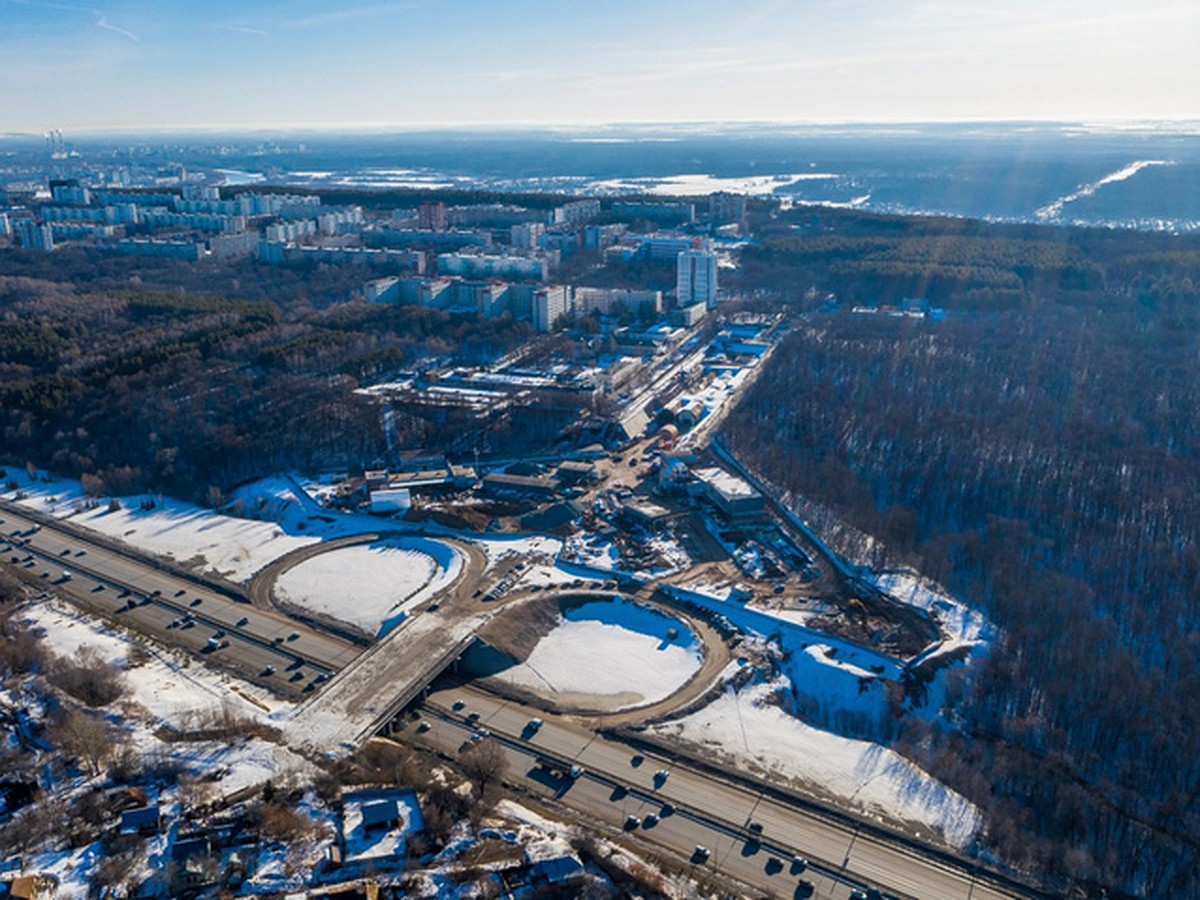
(517, 632)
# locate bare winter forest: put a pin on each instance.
(1037, 451)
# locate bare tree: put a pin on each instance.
(485, 764)
(87, 737)
(118, 872)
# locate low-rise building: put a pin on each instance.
(734, 497)
(504, 483)
(387, 501)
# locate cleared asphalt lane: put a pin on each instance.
(264, 646)
(710, 811)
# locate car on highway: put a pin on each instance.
(660, 777)
(631, 822)
(269, 670)
(799, 864)
(700, 854)
(805, 888)
(197, 601)
(754, 827)
(650, 821)
(242, 622)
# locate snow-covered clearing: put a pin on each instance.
(373, 586)
(168, 686)
(834, 682)
(210, 542)
(956, 619)
(750, 727)
(612, 654)
(168, 689)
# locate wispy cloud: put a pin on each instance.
(102, 22)
(101, 18)
(351, 13)
(240, 29)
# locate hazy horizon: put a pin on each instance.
(130, 67)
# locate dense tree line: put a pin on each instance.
(1042, 460)
(131, 376)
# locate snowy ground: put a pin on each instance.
(609, 655)
(263, 521)
(223, 545)
(956, 619)
(749, 727)
(373, 586)
(595, 551)
(169, 690)
(379, 843)
(834, 682)
(169, 687)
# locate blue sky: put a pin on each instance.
(139, 64)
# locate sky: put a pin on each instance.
(358, 64)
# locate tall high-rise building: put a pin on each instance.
(696, 278)
(525, 235)
(549, 305)
(431, 215)
(33, 235)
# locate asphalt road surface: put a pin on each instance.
(297, 660)
(713, 813)
(261, 645)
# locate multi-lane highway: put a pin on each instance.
(261, 645)
(348, 693)
(622, 781)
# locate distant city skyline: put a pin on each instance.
(306, 65)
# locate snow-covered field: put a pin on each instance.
(749, 728)
(169, 687)
(371, 585)
(222, 545)
(609, 655)
(834, 682)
